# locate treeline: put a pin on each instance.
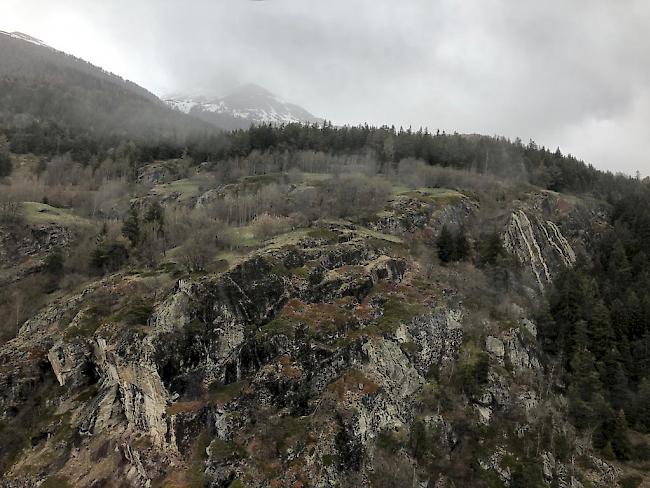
(495, 156)
(486, 155)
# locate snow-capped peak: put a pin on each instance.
(247, 104)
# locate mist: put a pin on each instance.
(572, 75)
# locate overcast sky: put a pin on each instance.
(567, 73)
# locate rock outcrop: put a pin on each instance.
(328, 361)
(538, 244)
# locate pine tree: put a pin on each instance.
(490, 248)
(585, 390)
(445, 244)
(615, 380)
(155, 213)
(5, 157)
(620, 442)
(54, 262)
(641, 356)
(619, 267)
(131, 226)
(600, 330)
(642, 406)
(635, 314)
(461, 246)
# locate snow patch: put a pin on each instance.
(24, 37)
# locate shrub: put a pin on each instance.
(109, 256)
(266, 226)
(11, 213)
(472, 372)
(54, 262)
(198, 251)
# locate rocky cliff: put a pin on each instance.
(330, 358)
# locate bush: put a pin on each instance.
(109, 256)
(54, 262)
(630, 481)
(266, 226)
(472, 372)
(198, 251)
(11, 213)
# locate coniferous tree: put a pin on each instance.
(445, 244)
(620, 441)
(642, 406)
(54, 262)
(108, 256)
(585, 395)
(5, 158)
(131, 226)
(634, 314)
(490, 248)
(600, 330)
(615, 381)
(155, 213)
(619, 266)
(461, 246)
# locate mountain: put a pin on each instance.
(246, 105)
(326, 306)
(60, 100)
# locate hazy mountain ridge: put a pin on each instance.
(24, 37)
(246, 105)
(59, 99)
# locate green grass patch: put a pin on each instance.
(395, 312)
(291, 430)
(218, 392)
(471, 374)
(186, 188)
(56, 482)
(315, 177)
(39, 213)
(288, 238)
(373, 234)
(86, 326)
(323, 233)
(135, 312)
(278, 326)
(244, 237)
(87, 394)
(301, 272)
(221, 451)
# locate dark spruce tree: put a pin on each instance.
(461, 246)
(445, 244)
(5, 157)
(131, 226)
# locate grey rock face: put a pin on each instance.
(538, 244)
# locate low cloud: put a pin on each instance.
(569, 74)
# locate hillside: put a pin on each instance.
(262, 312)
(246, 105)
(51, 101)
